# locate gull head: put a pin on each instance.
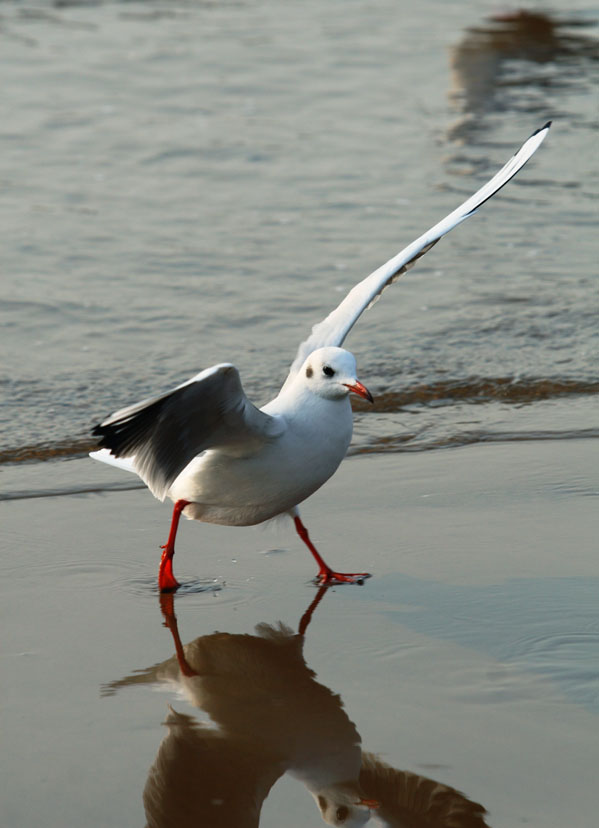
(331, 373)
(344, 806)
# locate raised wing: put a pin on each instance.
(334, 329)
(163, 434)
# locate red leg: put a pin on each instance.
(325, 574)
(166, 580)
(167, 605)
(307, 616)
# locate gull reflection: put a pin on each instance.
(512, 61)
(268, 716)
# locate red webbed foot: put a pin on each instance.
(166, 579)
(327, 577)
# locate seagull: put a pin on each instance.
(222, 460)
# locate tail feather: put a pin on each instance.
(104, 456)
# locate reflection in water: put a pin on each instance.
(269, 716)
(485, 72)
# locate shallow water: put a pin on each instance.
(186, 184)
(470, 658)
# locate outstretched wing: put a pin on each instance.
(406, 798)
(163, 434)
(334, 329)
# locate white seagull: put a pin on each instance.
(222, 460)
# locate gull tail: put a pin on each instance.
(104, 456)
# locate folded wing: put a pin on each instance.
(163, 434)
(334, 329)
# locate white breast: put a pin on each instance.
(243, 491)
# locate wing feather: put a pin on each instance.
(163, 434)
(334, 329)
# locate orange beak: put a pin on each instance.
(370, 803)
(360, 390)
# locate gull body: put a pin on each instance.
(222, 460)
(262, 462)
(310, 436)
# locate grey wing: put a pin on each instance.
(163, 434)
(334, 329)
(405, 798)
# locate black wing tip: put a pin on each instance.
(105, 437)
(101, 431)
(541, 129)
(111, 437)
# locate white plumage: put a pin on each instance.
(222, 460)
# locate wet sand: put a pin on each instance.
(469, 658)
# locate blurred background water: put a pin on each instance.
(183, 184)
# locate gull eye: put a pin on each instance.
(342, 814)
(328, 371)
